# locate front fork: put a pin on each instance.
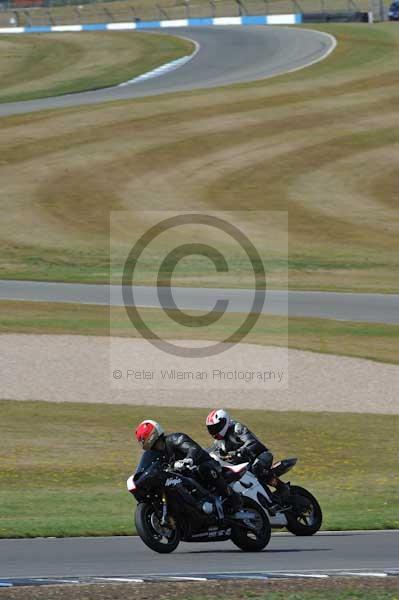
(164, 517)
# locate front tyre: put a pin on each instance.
(248, 539)
(305, 517)
(154, 535)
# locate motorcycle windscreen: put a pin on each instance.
(147, 459)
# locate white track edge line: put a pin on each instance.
(329, 51)
(166, 67)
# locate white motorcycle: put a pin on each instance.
(299, 511)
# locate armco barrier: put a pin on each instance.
(247, 20)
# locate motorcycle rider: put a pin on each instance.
(235, 442)
(180, 451)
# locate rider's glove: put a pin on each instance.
(183, 464)
(233, 454)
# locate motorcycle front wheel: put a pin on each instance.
(306, 517)
(157, 537)
(251, 540)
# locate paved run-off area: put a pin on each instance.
(72, 368)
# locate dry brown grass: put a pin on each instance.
(319, 144)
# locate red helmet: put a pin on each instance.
(218, 422)
(147, 433)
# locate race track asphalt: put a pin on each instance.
(128, 556)
(382, 308)
(226, 55)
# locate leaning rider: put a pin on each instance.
(235, 443)
(180, 451)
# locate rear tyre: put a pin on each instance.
(306, 516)
(160, 539)
(248, 540)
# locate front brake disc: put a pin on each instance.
(158, 528)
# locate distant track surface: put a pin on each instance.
(129, 557)
(372, 308)
(226, 55)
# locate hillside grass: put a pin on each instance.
(63, 466)
(373, 341)
(319, 143)
(36, 66)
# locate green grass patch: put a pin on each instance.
(63, 466)
(365, 340)
(40, 65)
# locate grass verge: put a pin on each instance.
(36, 66)
(365, 340)
(63, 466)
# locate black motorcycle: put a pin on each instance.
(174, 507)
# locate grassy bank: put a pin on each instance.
(36, 66)
(63, 466)
(318, 143)
(365, 340)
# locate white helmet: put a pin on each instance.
(218, 422)
(147, 433)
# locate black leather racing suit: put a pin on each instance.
(179, 446)
(245, 446)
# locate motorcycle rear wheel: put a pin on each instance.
(252, 541)
(153, 535)
(308, 522)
